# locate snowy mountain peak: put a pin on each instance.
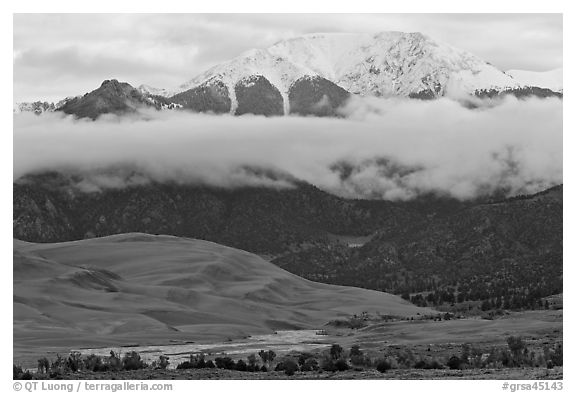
(149, 90)
(382, 64)
(315, 74)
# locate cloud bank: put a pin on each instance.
(385, 148)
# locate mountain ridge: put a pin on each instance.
(386, 63)
(410, 65)
(331, 56)
(478, 250)
(499, 251)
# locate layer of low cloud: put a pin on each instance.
(385, 148)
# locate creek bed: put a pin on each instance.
(281, 342)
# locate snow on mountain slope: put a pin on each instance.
(388, 63)
(39, 107)
(35, 107)
(279, 71)
(316, 73)
(149, 90)
(548, 79)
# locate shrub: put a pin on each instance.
(420, 364)
(58, 366)
(357, 358)
(428, 364)
(406, 358)
(465, 357)
(557, 356)
(263, 369)
(17, 372)
(341, 365)
(186, 365)
(506, 358)
(43, 365)
(94, 363)
(327, 364)
(534, 360)
(360, 360)
(383, 365)
(114, 362)
(241, 365)
(355, 351)
(161, 364)
(454, 363)
(540, 361)
(225, 363)
(392, 361)
(210, 364)
(290, 367)
(267, 356)
(433, 364)
(303, 357)
(132, 361)
(252, 363)
(336, 351)
(516, 346)
(196, 361)
(252, 360)
(310, 364)
(476, 357)
(492, 361)
(74, 362)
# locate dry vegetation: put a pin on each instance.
(518, 359)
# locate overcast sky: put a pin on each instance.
(59, 55)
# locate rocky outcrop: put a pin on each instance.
(111, 97)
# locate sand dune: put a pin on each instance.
(144, 289)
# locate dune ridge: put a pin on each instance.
(136, 288)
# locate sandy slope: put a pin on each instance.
(137, 289)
